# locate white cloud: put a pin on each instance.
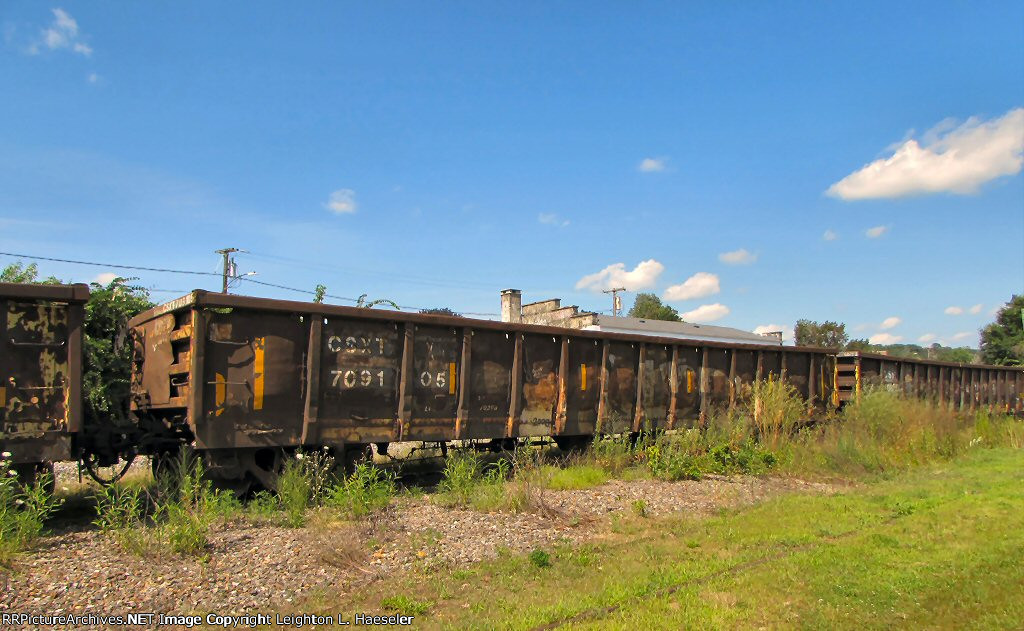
(737, 257)
(976, 309)
(93, 77)
(830, 235)
(61, 34)
(706, 313)
(927, 338)
(954, 159)
(342, 201)
(877, 231)
(652, 165)
(697, 286)
(963, 335)
(884, 338)
(953, 310)
(642, 276)
(787, 330)
(890, 322)
(552, 219)
(105, 278)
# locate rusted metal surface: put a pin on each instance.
(40, 370)
(961, 386)
(250, 375)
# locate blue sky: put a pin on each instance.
(753, 164)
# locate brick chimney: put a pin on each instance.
(511, 305)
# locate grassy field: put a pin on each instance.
(940, 546)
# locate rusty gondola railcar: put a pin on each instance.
(964, 386)
(250, 378)
(40, 372)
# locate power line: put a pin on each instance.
(194, 273)
(132, 267)
(310, 265)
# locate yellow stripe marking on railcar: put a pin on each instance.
(220, 393)
(451, 378)
(3, 396)
(257, 378)
(835, 384)
(583, 376)
(689, 380)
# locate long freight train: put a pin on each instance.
(245, 381)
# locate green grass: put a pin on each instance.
(940, 546)
(573, 476)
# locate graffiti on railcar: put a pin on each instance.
(621, 389)
(541, 356)
(657, 386)
(718, 377)
(490, 383)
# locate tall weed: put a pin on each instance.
(23, 510)
(366, 490)
(882, 432)
(776, 410)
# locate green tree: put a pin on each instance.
(826, 334)
(858, 345)
(318, 293)
(962, 355)
(1002, 342)
(445, 311)
(650, 307)
(17, 273)
(107, 352)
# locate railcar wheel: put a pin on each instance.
(106, 475)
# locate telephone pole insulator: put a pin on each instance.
(616, 300)
(229, 266)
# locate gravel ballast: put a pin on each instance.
(256, 568)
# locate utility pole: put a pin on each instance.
(616, 301)
(228, 262)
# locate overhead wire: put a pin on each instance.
(195, 273)
(131, 267)
(299, 263)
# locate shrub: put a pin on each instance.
(614, 454)
(294, 491)
(368, 489)
(463, 474)
(118, 507)
(540, 558)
